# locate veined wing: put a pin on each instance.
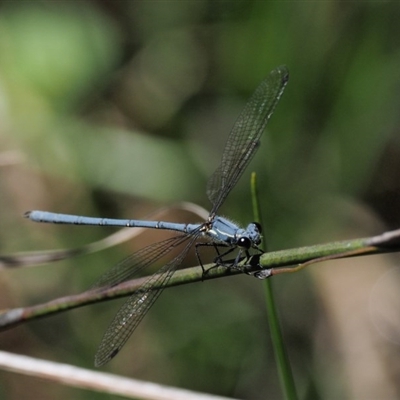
(132, 265)
(136, 307)
(244, 138)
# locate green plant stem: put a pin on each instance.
(282, 360)
(276, 262)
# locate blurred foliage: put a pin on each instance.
(114, 108)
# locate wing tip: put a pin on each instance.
(101, 359)
(284, 71)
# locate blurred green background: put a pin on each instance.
(116, 108)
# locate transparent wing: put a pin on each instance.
(132, 265)
(244, 138)
(136, 307)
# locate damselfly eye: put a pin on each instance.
(259, 227)
(244, 242)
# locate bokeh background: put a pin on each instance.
(117, 108)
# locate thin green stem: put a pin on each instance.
(282, 360)
(276, 262)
